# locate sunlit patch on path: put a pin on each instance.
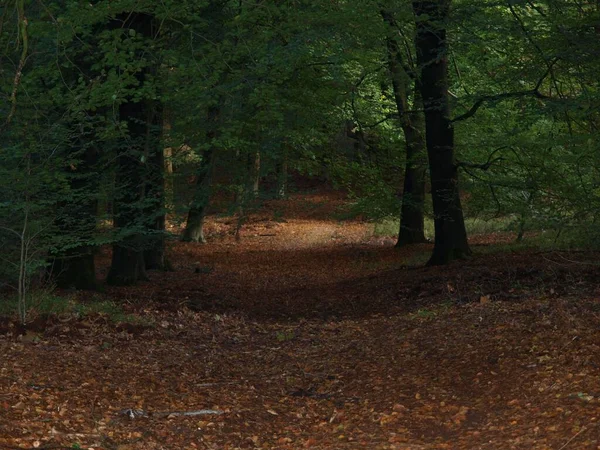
(311, 333)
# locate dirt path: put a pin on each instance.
(311, 334)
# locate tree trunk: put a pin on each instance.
(412, 224)
(154, 254)
(77, 271)
(168, 160)
(128, 266)
(194, 228)
(131, 215)
(282, 174)
(432, 49)
(75, 268)
(255, 174)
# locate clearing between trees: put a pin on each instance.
(312, 333)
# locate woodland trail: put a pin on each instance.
(309, 333)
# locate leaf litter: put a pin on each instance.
(309, 333)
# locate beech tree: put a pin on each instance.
(432, 57)
(138, 205)
(405, 81)
(85, 85)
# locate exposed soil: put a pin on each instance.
(309, 333)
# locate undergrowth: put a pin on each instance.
(475, 226)
(44, 303)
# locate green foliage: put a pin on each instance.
(388, 227)
(297, 81)
(285, 336)
(45, 302)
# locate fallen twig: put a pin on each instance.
(137, 413)
(201, 412)
(572, 438)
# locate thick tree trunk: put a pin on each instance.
(132, 218)
(75, 267)
(77, 271)
(450, 233)
(194, 228)
(76, 217)
(128, 266)
(412, 224)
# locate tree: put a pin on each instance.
(139, 201)
(432, 57)
(404, 79)
(73, 261)
(194, 227)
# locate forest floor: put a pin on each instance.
(310, 333)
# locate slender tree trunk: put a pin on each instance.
(247, 191)
(168, 160)
(432, 49)
(154, 254)
(282, 174)
(412, 224)
(254, 168)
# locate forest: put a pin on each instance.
(299, 224)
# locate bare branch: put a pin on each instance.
(535, 92)
(22, 24)
(487, 164)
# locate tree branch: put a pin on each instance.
(385, 119)
(24, 37)
(535, 92)
(486, 165)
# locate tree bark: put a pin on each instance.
(168, 160)
(254, 168)
(128, 265)
(132, 218)
(282, 173)
(154, 254)
(194, 228)
(75, 267)
(77, 271)
(412, 223)
(432, 49)
(76, 219)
